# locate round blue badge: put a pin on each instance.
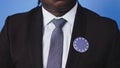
(81, 44)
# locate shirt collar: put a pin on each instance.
(47, 16)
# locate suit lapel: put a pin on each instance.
(79, 30)
(35, 34)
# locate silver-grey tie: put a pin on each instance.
(56, 45)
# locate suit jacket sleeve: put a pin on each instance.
(114, 56)
(5, 57)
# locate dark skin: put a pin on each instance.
(58, 7)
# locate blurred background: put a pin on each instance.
(106, 8)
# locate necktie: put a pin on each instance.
(56, 45)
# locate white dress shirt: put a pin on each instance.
(67, 32)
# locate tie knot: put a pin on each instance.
(59, 23)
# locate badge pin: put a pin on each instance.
(81, 44)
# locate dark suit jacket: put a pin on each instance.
(21, 41)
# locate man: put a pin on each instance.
(89, 40)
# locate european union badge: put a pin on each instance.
(81, 44)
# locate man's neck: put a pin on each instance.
(59, 13)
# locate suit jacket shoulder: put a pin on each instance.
(103, 22)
